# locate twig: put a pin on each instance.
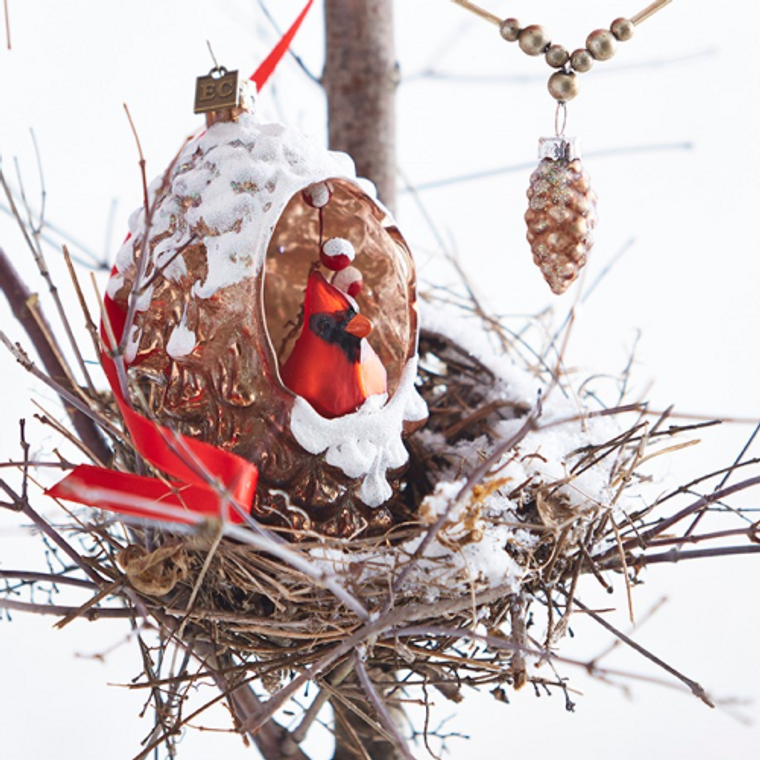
(696, 689)
(26, 508)
(336, 678)
(675, 555)
(89, 324)
(19, 297)
(39, 259)
(702, 502)
(380, 707)
(111, 613)
(529, 166)
(297, 58)
(26, 576)
(66, 396)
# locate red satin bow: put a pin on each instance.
(207, 477)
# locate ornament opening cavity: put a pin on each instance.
(337, 216)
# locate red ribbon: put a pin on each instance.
(192, 462)
(262, 74)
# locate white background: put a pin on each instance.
(688, 282)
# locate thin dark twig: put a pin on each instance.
(676, 555)
(142, 163)
(663, 525)
(119, 613)
(19, 298)
(730, 471)
(380, 708)
(7, 25)
(696, 689)
(297, 58)
(57, 579)
(525, 166)
(89, 324)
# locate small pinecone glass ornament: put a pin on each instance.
(561, 213)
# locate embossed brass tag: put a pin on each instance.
(217, 90)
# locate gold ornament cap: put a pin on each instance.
(217, 90)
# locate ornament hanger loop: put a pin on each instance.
(213, 57)
(560, 119)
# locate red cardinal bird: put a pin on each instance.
(331, 365)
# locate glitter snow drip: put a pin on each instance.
(253, 333)
(561, 213)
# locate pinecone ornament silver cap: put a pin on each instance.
(561, 213)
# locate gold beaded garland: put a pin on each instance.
(623, 29)
(564, 86)
(581, 60)
(533, 40)
(510, 29)
(562, 209)
(601, 44)
(556, 56)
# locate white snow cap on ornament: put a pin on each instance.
(337, 247)
(366, 443)
(232, 199)
(349, 280)
(317, 195)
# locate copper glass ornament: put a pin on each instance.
(236, 229)
(561, 213)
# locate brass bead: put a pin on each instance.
(510, 29)
(601, 44)
(534, 39)
(563, 86)
(557, 56)
(623, 29)
(581, 60)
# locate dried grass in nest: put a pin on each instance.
(274, 619)
(358, 629)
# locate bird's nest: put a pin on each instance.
(517, 488)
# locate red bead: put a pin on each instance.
(349, 280)
(317, 195)
(337, 254)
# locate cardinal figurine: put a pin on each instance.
(332, 365)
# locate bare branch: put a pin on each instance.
(19, 297)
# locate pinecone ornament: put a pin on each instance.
(561, 213)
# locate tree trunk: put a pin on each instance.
(360, 79)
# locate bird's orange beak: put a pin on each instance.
(359, 326)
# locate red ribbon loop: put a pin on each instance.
(208, 477)
(264, 71)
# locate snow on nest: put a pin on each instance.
(470, 552)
